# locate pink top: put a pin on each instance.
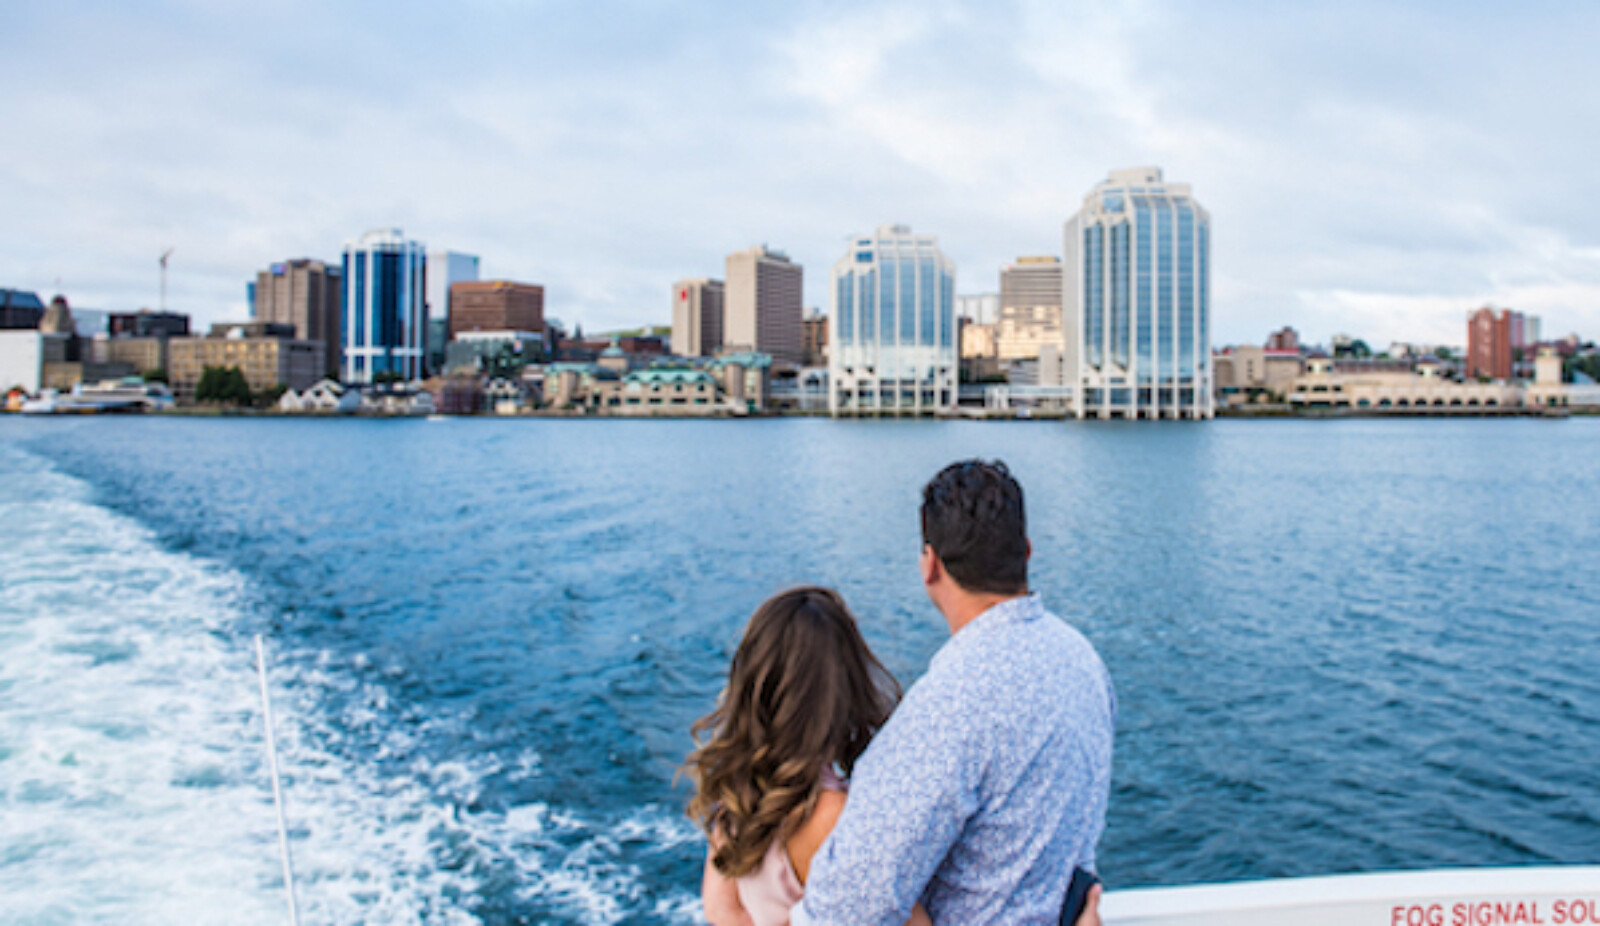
(768, 892)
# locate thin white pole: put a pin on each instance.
(277, 789)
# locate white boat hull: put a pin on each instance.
(1554, 896)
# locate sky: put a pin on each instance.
(1377, 169)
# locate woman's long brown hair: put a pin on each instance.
(804, 691)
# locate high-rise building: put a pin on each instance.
(763, 304)
(816, 340)
(1137, 294)
(385, 314)
(307, 294)
(893, 336)
(445, 269)
(1494, 341)
(697, 315)
(1030, 307)
(496, 305)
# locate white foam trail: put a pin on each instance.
(133, 787)
(129, 774)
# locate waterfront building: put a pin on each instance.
(1030, 308)
(267, 353)
(1246, 373)
(496, 353)
(63, 361)
(697, 314)
(496, 305)
(763, 301)
(384, 320)
(20, 310)
(1422, 389)
(1495, 340)
(1137, 294)
(815, 340)
(894, 338)
(24, 353)
(325, 397)
(144, 355)
(734, 384)
(307, 294)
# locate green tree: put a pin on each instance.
(223, 385)
(156, 375)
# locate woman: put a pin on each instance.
(804, 697)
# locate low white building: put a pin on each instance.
(22, 360)
(325, 397)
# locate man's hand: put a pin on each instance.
(1091, 909)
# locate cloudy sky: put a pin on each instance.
(1372, 168)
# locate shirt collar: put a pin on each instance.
(1011, 611)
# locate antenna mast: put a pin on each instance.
(164, 257)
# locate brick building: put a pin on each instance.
(496, 305)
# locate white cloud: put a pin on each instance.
(1369, 168)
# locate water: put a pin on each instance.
(1338, 645)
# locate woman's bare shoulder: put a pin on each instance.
(805, 842)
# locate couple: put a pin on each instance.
(827, 800)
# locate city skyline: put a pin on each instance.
(1421, 154)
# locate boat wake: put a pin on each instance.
(133, 781)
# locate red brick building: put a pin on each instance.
(1494, 340)
(496, 305)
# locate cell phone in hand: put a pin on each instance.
(1077, 895)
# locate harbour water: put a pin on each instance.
(1338, 645)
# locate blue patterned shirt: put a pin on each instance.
(984, 790)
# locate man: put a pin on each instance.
(989, 784)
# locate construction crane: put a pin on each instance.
(164, 256)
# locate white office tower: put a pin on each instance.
(1137, 294)
(385, 319)
(893, 349)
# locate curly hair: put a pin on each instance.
(804, 692)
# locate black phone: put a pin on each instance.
(1077, 895)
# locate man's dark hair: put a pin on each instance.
(972, 517)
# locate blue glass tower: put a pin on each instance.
(893, 337)
(385, 323)
(1137, 294)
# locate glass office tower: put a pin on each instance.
(1137, 293)
(385, 322)
(893, 335)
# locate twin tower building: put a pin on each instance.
(1134, 296)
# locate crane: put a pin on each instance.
(164, 256)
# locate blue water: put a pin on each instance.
(1338, 645)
